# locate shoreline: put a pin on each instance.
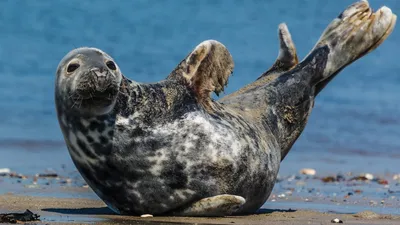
(54, 210)
(62, 197)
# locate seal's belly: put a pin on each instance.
(161, 168)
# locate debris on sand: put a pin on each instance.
(336, 178)
(18, 176)
(19, 217)
(328, 179)
(146, 216)
(363, 177)
(47, 175)
(308, 171)
(381, 181)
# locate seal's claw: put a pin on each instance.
(205, 70)
(220, 205)
(354, 9)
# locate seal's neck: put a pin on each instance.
(87, 137)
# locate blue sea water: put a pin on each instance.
(355, 123)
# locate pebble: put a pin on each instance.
(146, 215)
(300, 183)
(66, 181)
(289, 193)
(308, 171)
(4, 171)
(336, 220)
(32, 186)
(372, 202)
(369, 176)
(281, 196)
(291, 178)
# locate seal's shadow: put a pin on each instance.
(267, 211)
(82, 211)
(107, 211)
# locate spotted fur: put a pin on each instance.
(159, 149)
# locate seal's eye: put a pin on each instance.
(72, 67)
(111, 65)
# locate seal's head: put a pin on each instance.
(87, 82)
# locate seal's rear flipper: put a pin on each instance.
(287, 58)
(370, 31)
(355, 32)
(220, 205)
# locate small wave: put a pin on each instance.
(31, 144)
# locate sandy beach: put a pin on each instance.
(83, 211)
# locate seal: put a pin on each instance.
(168, 148)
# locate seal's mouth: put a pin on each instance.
(92, 98)
(107, 94)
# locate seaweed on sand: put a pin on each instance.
(23, 217)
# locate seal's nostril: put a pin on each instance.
(94, 69)
(99, 72)
(101, 78)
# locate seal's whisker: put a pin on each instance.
(73, 104)
(80, 103)
(123, 93)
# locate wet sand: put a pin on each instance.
(83, 211)
(57, 192)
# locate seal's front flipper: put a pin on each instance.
(205, 70)
(287, 58)
(220, 205)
